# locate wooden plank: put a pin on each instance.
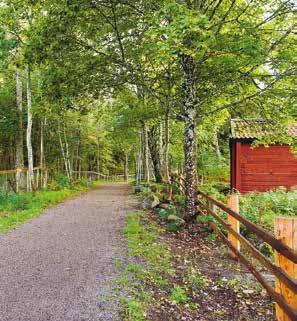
(233, 165)
(264, 235)
(272, 293)
(292, 284)
(286, 232)
(233, 203)
(237, 166)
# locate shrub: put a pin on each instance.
(62, 181)
(262, 208)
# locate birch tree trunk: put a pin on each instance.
(190, 118)
(20, 136)
(29, 131)
(145, 154)
(77, 165)
(63, 153)
(67, 151)
(42, 155)
(217, 145)
(98, 159)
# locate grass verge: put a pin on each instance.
(16, 209)
(185, 275)
(153, 265)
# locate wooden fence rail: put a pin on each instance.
(285, 294)
(43, 176)
(93, 175)
(9, 179)
(287, 252)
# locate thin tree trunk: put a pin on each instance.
(63, 153)
(166, 174)
(98, 160)
(138, 159)
(42, 155)
(78, 156)
(19, 159)
(154, 135)
(216, 145)
(126, 172)
(67, 152)
(145, 154)
(190, 118)
(11, 153)
(29, 131)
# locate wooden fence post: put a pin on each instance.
(286, 231)
(233, 203)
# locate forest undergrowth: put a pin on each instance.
(183, 272)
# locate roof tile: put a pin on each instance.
(255, 128)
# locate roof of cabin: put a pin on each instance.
(255, 127)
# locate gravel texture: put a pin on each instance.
(60, 266)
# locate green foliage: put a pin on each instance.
(142, 243)
(98, 87)
(204, 219)
(176, 225)
(62, 181)
(164, 213)
(15, 209)
(262, 208)
(178, 295)
(134, 309)
(211, 236)
(198, 281)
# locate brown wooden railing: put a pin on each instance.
(92, 175)
(43, 176)
(285, 293)
(8, 179)
(276, 244)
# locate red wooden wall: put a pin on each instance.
(262, 168)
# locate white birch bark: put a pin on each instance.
(19, 163)
(29, 130)
(190, 118)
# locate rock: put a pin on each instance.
(266, 249)
(150, 202)
(270, 279)
(249, 291)
(175, 219)
(164, 206)
(172, 218)
(137, 189)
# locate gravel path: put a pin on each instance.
(60, 266)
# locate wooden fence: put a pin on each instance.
(92, 176)
(43, 176)
(9, 179)
(284, 244)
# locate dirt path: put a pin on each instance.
(60, 266)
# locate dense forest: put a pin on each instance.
(140, 87)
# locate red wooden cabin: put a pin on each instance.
(260, 168)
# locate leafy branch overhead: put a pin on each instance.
(144, 85)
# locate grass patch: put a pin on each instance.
(178, 295)
(155, 265)
(15, 209)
